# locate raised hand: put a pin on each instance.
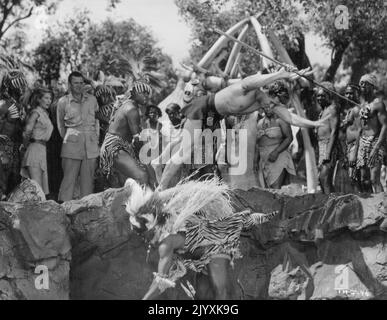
(305, 72)
(287, 71)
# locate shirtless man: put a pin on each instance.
(241, 97)
(352, 127)
(120, 148)
(327, 138)
(372, 136)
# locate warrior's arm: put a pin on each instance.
(287, 132)
(349, 118)
(259, 80)
(296, 120)
(133, 120)
(191, 133)
(382, 116)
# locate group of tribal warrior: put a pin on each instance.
(193, 221)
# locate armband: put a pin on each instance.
(13, 112)
(162, 282)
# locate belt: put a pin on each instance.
(38, 141)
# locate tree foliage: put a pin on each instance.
(291, 20)
(13, 12)
(79, 44)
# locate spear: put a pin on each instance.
(283, 65)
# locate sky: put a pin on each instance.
(160, 16)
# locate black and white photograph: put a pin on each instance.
(195, 150)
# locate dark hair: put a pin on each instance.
(172, 106)
(154, 107)
(36, 95)
(75, 74)
(277, 87)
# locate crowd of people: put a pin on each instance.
(91, 137)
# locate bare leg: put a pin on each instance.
(128, 168)
(326, 179)
(218, 271)
(375, 179)
(365, 181)
(36, 174)
(203, 287)
(191, 133)
(354, 182)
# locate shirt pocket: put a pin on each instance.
(93, 143)
(72, 116)
(71, 138)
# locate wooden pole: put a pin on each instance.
(220, 44)
(235, 51)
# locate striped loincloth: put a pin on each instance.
(366, 144)
(109, 150)
(218, 238)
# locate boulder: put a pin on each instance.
(292, 257)
(35, 251)
(318, 247)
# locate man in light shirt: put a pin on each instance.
(79, 129)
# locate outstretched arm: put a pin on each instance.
(296, 120)
(259, 80)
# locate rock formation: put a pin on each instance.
(319, 247)
(35, 251)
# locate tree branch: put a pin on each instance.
(6, 12)
(16, 21)
(336, 58)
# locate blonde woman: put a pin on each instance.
(36, 133)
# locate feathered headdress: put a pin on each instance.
(170, 209)
(12, 78)
(141, 72)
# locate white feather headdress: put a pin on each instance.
(139, 196)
